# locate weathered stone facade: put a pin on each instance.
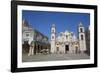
(35, 39)
(67, 42)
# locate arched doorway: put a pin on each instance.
(66, 48)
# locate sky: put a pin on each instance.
(43, 20)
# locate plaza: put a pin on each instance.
(53, 57)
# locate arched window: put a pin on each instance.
(53, 30)
(52, 37)
(81, 37)
(81, 30)
(27, 35)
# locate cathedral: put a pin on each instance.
(67, 42)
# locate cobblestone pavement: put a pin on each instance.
(53, 57)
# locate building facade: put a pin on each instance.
(34, 38)
(67, 42)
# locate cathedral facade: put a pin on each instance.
(67, 42)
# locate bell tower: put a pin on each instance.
(53, 39)
(82, 41)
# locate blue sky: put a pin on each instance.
(43, 20)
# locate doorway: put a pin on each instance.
(66, 48)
